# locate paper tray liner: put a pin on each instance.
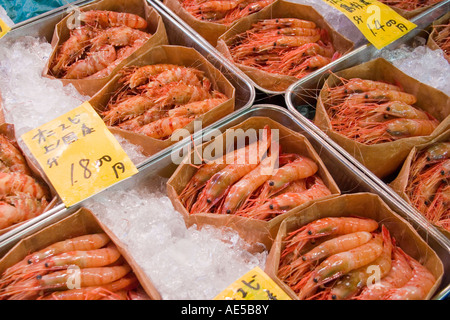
(366, 205)
(385, 158)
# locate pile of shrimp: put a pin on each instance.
(223, 11)
(246, 183)
(428, 187)
(442, 37)
(94, 49)
(334, 259)
(286, 46)
(88, 267)
(155, 100)
(410, 5)
(373, 112)
(22, 196)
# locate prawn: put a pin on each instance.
(327, 227)
(118, 37)
(291, 273)
(12, 158)
(15, 182)
(286, 201)
(164, 127)
(220, 182)
(94, 62)
(127, 109)
(417, 287)
(136, 76)
(107, 19)
(338, 265)
(195, 108)
(19, 208)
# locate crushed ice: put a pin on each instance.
(422, 63)
(183, 263)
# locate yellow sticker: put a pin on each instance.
(79, 155)
(4, 28)
(380, 24)
(254, 285)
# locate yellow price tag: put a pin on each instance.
(79, 155)
(4, 28)
(380, 24)
(254, 285)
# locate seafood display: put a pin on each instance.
(101, 43)
(428, 187)
(334, 258)
(409, 5)
(380, 112)
(22, 196)
(88, 267)
(223, 11)
(285, 46)
(246, 182)
(155, 100)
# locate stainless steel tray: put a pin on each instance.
(349, 178)
(304, 93)
(43, 26)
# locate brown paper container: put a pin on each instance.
(431, 43)
(383, 159)
(173, 55)
(140, 7)
(8, 130)
(80, 223)
(208, 30)
(399, 184)
(363, 205)
(250, 229)
(279, 9)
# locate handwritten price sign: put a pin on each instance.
(378, 23)
(79, 154)
(254, 285)
(4, 28)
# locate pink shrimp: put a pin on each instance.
(165, 127)
(19, 208)
(15, 182)
(107, 19)
(12, 158)
(94, 62)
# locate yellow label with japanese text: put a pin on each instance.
(254, 285)
(380, 24)
(4, 28)
(79, 155)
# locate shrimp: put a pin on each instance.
(292, 272)
(136, 76)
(189, 76)
(379, 96)
(215, 6)
(398, 276)
(61, 279)
(242, 190)
(338, 265)
(350, 284)
(107, 19)
(118, 37)
(293, 57)
(12, 158)
(218, 185)
(328, 227)
(392, 109)
(179, 93)
(196, 108)
(301, 168)
(238, 13)
(94, 62)
(418, 287)
(71, 50)
(83, 259)
(128, 282)
(286, 201)
(19, 208)
(278, 23)
(164, 127)
(310, 63)
(155, 113)
(127, 109)
(15, 182)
